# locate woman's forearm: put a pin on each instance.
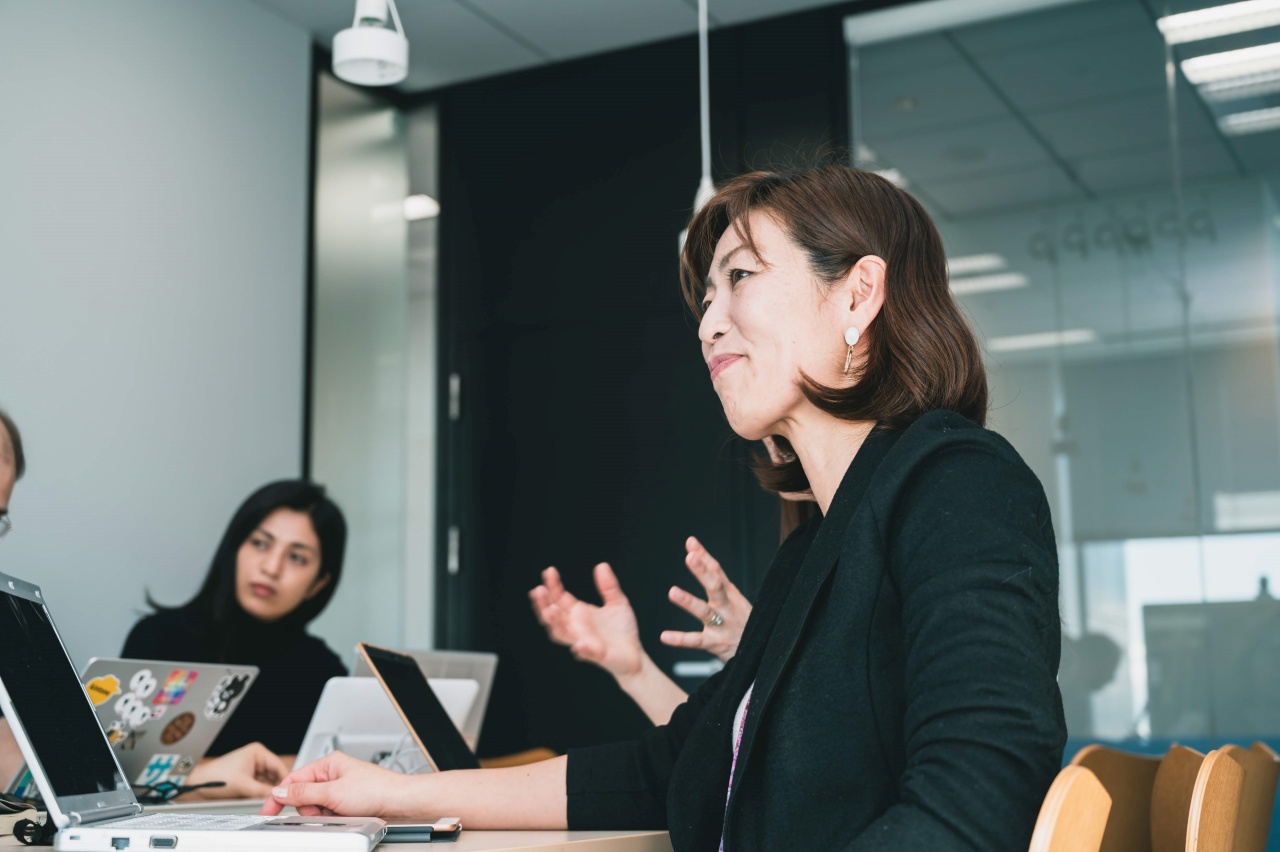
(655, 693)
(531, 796)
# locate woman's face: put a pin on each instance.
(766, 320)
(278, 566)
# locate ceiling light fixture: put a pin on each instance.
(1219, 21)
(1255, 85)
(369, 53)
(973, 264)
(418, 207)
(1253, 121)
(1043, 340)
(988, 283)
(1232, 64)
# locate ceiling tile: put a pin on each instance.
(906, 55)
(741, 11)
(1123, 124)
(1115, 63)
(1152, 168)
(567, 29)
(937, 97)
(1002, 189)
(1052, 26)
(977, 148)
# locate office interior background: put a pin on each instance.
(208, 280)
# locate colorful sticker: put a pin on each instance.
(186, 765)
(115, 732)
(158, 711)
(132, 711)
(227, 690)
(160, 768)
(178, 728)
(175, 687)
(102, 689)
(143, 683)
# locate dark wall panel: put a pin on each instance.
(589, 430)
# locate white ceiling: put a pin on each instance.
(453, 41)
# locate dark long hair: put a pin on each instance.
(920, 352)
(217, 596)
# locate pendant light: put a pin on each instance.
(369, 53)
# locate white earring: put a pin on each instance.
(851, 335)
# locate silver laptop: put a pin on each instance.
(355, 716)
(87, 796)
(473, 665)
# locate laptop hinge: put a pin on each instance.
(102, 814)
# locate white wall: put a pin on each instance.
(153, 201)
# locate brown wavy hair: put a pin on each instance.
(920, 353)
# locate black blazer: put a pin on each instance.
(904, 651)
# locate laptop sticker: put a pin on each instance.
(160, 768)
(185, 766)
(143, 683)
(226, 691)
(178, 728)
(175, 687)
(159, 710)
(132, 711)
(102, 689)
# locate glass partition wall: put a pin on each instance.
(1109, 206)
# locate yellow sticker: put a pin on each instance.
(101, 689)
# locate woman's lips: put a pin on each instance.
(720, 363)
(262, 591)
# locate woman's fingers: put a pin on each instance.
(691, 604)
(677, 639)
(608, 586)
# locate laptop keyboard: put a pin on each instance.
(187, 822)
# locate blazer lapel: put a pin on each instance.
(814, 571)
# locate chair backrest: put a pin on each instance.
(1171, 795)
(1215, 804)
(1074, 813)
(1261, 772)
(1128, 779)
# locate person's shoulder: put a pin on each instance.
(157, 631)
(943, 456)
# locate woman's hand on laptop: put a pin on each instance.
(340, 785)
(249, 772)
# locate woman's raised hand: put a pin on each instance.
(606, 635)
(723, 614)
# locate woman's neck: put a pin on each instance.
(826, 447)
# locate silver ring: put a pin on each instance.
(713, 620)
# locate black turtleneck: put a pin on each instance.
(293, 669)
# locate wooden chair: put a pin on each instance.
(1171, 794)
(1261, 772)
(1215, 804)
(1074, 814)
(1128, 779)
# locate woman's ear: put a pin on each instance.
(864, 290)
(318, 585)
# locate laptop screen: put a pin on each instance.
(422, 709)
(51, 704)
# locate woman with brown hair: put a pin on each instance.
(895, 685)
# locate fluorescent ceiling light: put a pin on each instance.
(421, 207)
(1233, 64)
(1043, 340)
(1219, 21)
(934, 15)
(988, 283)
(1236, 88)
(1253, 121)
(974, 263)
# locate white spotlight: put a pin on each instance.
(370, 54)
(421, 207)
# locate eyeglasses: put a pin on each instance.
(5, 525)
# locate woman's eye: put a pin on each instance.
(706, 305)
(298, 559)
(736, 275)
(259, 543)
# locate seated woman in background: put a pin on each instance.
(276, 567)
(895, 686)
